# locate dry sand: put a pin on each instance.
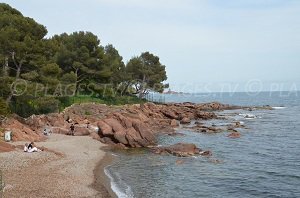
(67, 172)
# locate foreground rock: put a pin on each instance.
(181, 150)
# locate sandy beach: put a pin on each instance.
(67, 168)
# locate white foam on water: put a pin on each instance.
(278, 107)
(248, 116)
(117, 190)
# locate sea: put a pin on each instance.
(263, 162)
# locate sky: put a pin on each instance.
(206, 45)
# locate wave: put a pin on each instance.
(248, 116)
(116, 189)
(278, 107)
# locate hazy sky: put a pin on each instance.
(205, 44)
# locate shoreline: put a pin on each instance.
(101, 181)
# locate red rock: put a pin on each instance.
(179, 162)
(234, 135)
(169, 114)
(104, 129)
(174, 123)
(81, 131)
(179, 149)
(133, 137)
(21, 132)
(60, 130)
(121, 137)
(205, 115)
(95, 136)
(6, 147)
(131, 125)
(185, 120)
(107, 140)
(146, 134)
(114, 124)
(125, 121)
(119, 146)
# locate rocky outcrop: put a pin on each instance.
(21, 131)
(124, 126)
(125, 131)
(181, 150)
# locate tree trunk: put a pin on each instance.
(125, 89)
(5, 67)
(13, 89)
(141, 91)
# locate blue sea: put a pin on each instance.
(264, 162)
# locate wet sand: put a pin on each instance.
(101, 180)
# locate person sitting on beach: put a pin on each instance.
(29, 148)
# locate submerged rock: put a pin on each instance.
(234, 135)
(204, 129)
(180, 150)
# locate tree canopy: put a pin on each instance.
(147, 73)
(38, 73)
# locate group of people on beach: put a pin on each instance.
(29, 148)
(47, 131)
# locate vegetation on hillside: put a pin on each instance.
(42, 75)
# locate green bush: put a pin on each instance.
(45, 105)
(4, 109)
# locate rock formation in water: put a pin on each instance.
(181, 150)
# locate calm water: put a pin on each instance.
(264, 162)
